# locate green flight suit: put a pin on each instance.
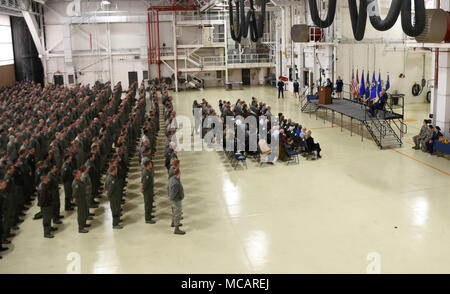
(114, 192)
(79, 194)
(147, 181)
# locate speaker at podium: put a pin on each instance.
(325, 95)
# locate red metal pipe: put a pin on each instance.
(149, 41)
(190, 3)
(154, 38)
(170, 8)
(159, 54)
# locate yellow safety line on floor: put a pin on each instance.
(409, 120)
(321, 128)
(424, 163)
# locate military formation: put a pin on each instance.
(72, 136)
(45, 135)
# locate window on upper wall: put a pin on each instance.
(6, 46)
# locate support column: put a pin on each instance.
(277, 47)
(442, 102)
(225, 29)
(108, 34)
(283, 42)
(174, 31)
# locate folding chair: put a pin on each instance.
(291, 154)
(239, 157)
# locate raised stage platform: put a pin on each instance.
(386, 128)
(357, 110)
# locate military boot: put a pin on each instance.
(178, 231)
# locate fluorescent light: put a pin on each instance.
(106, 2)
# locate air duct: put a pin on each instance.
(435, 31)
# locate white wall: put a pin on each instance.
(382, 57)
(125, 38)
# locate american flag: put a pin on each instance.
(356, 83)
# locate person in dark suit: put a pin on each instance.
(436, 135)
(311, 145)
(379, 105)
(339, 87)
(329, 84)
(280, 88)
(296, 89)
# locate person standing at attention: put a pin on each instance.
(339, 87)
(114, 192)
(176, 196)
(296, 89)
(280, 88)
(79, 197)
(147, 184)
(45, 202)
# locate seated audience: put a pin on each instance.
(436, 135)
(418, 138)
(311, 145)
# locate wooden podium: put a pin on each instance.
(324, 95)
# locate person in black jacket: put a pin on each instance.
(296, 89)
(436, 135)
(67, 178)
(379, 105)
(339, 87)
(311, 145)
(329, 84)
(280, 88)
(45, 201)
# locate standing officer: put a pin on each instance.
(296, 89)
(10, 207)
(114, 191)
(280, 88)
(45, 202)
(147, 184)
(176, 196)
(86, 179)
(67, 178)
(79, 196)
(54, 189)
(3, 197)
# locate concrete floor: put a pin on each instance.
(326, 216)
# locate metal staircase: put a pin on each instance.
(309, 106)
(383, 134)
(306, 105)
